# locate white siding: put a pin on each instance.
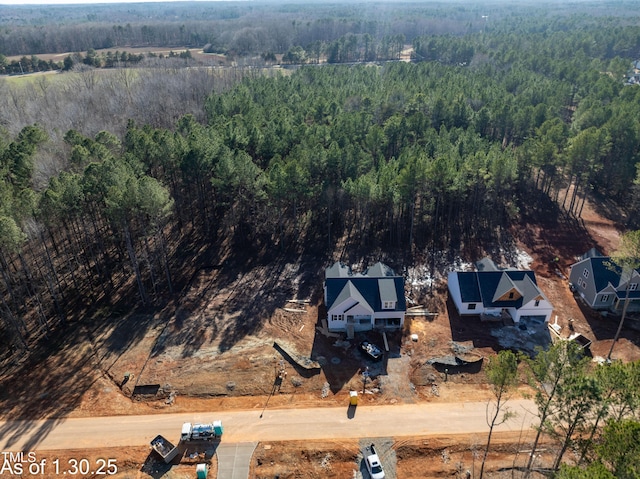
(544, 308)
(454, 290)
(358, 311)
(456, 296)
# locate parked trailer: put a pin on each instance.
(164, 448)
(582, 341)
(201, 432)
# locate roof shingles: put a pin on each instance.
(490, 287)
(365, 290)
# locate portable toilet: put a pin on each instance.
(201, 471)
(353, 398)
(217, 428)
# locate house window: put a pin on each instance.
(582, 283)
(337, 317)
(365, 321)
(472, 306)
(388, 305)
(585, 273)
(537, 303)
(511, 295)
(633, 286)
(604, 298)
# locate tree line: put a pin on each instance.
(238, 29)
(34, 64)
(590, 412)
(428, 156)
(372, 152)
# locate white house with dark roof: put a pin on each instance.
(602, 284)
(361, 302)
(493, 292)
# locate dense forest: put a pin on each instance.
(113, 179)
(106, 176)
(298, 33)
(238, 28)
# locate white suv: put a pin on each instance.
(373, 464)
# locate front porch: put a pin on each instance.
(497, 316)
(387, 323)
(618, 305)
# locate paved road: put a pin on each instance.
(275, 425)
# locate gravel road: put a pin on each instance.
(275, 425)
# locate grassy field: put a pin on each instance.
(197, 53)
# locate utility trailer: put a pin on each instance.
(581, 340)
(201, 432)
(164, 448)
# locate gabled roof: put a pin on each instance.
(387, 290)
(592, 253)
(625, 276)
(530, 290)
(486, 264)
(337, 270)
(506, 290)
(607, 274)
(604, 272)
(350, 291)
(371, 289)
(492, 288)
(378, 270)
(364, 290)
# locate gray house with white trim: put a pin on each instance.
(373, 299)
(602, 284)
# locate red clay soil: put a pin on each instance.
(244, 374)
